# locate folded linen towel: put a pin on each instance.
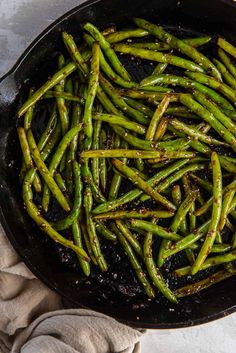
(30, 319)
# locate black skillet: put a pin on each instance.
(119, 297)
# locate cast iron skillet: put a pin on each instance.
(56, 267)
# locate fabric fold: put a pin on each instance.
(32, 317)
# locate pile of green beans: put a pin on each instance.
(146, 166)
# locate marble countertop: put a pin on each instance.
(20, 22)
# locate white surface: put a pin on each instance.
(20, 22)
(215, 337)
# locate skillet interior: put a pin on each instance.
(101, 293)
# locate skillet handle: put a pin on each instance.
(8, 91)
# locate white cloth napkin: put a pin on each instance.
(30, 319)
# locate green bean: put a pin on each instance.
(190, 256)
(109, 52)
(156, 89)
(105, 67)
(22, 171)
(187, 241)
(183, 210)
(86, 240)
(221, 248)
(196, 287)
(133, 194)
(69, 88)
(165, 244)
(203, 127)
(74, 214)
(205, 207)
(174, 177)
(56, 159)
(153, 271)
(232, 208)
(88, 179)
(78, 241)
(119, 102)
(53, 81)
(140, 166)
(152, 96)
(141, 213)
(136, 154)
(212, 107)
(216, 212)
(84, 69)
(227, 165)
(92, 89)
(188, 84)
(161, 129)
(95, 145)
(225, 90)
(74, 53)
(187, 189)
(135, 264)
(64, 95)
(121, 35)
(203, 183)
(229, 79)
(229, 48)
(227, 200)
(106, 103)
(34, 213)
(51, 143)
(103, 163)
(209, 118)
(76, 119)
(168, 137)
(229, 225)
(160, 46)
(28, 162)
(155, 229)
(184, 231)
(174, 145)
(234, 241)
(229, 159)
(227, 62)
(105, 232)
(212, 261)
(86, 54)
(194, 132)
(61, 106)
(160, 68)
(158, 56)
(140, 173)
(52, 121)
(29, 114)
(181, 111)
(176, 194)
(150, 134)
(60, 182)
(121, 121)
(139, 106)
(180, 221)
(180, 45)
(45, 173)
(142, 184)
(94, 241)
(129, 237)
(117, 178)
